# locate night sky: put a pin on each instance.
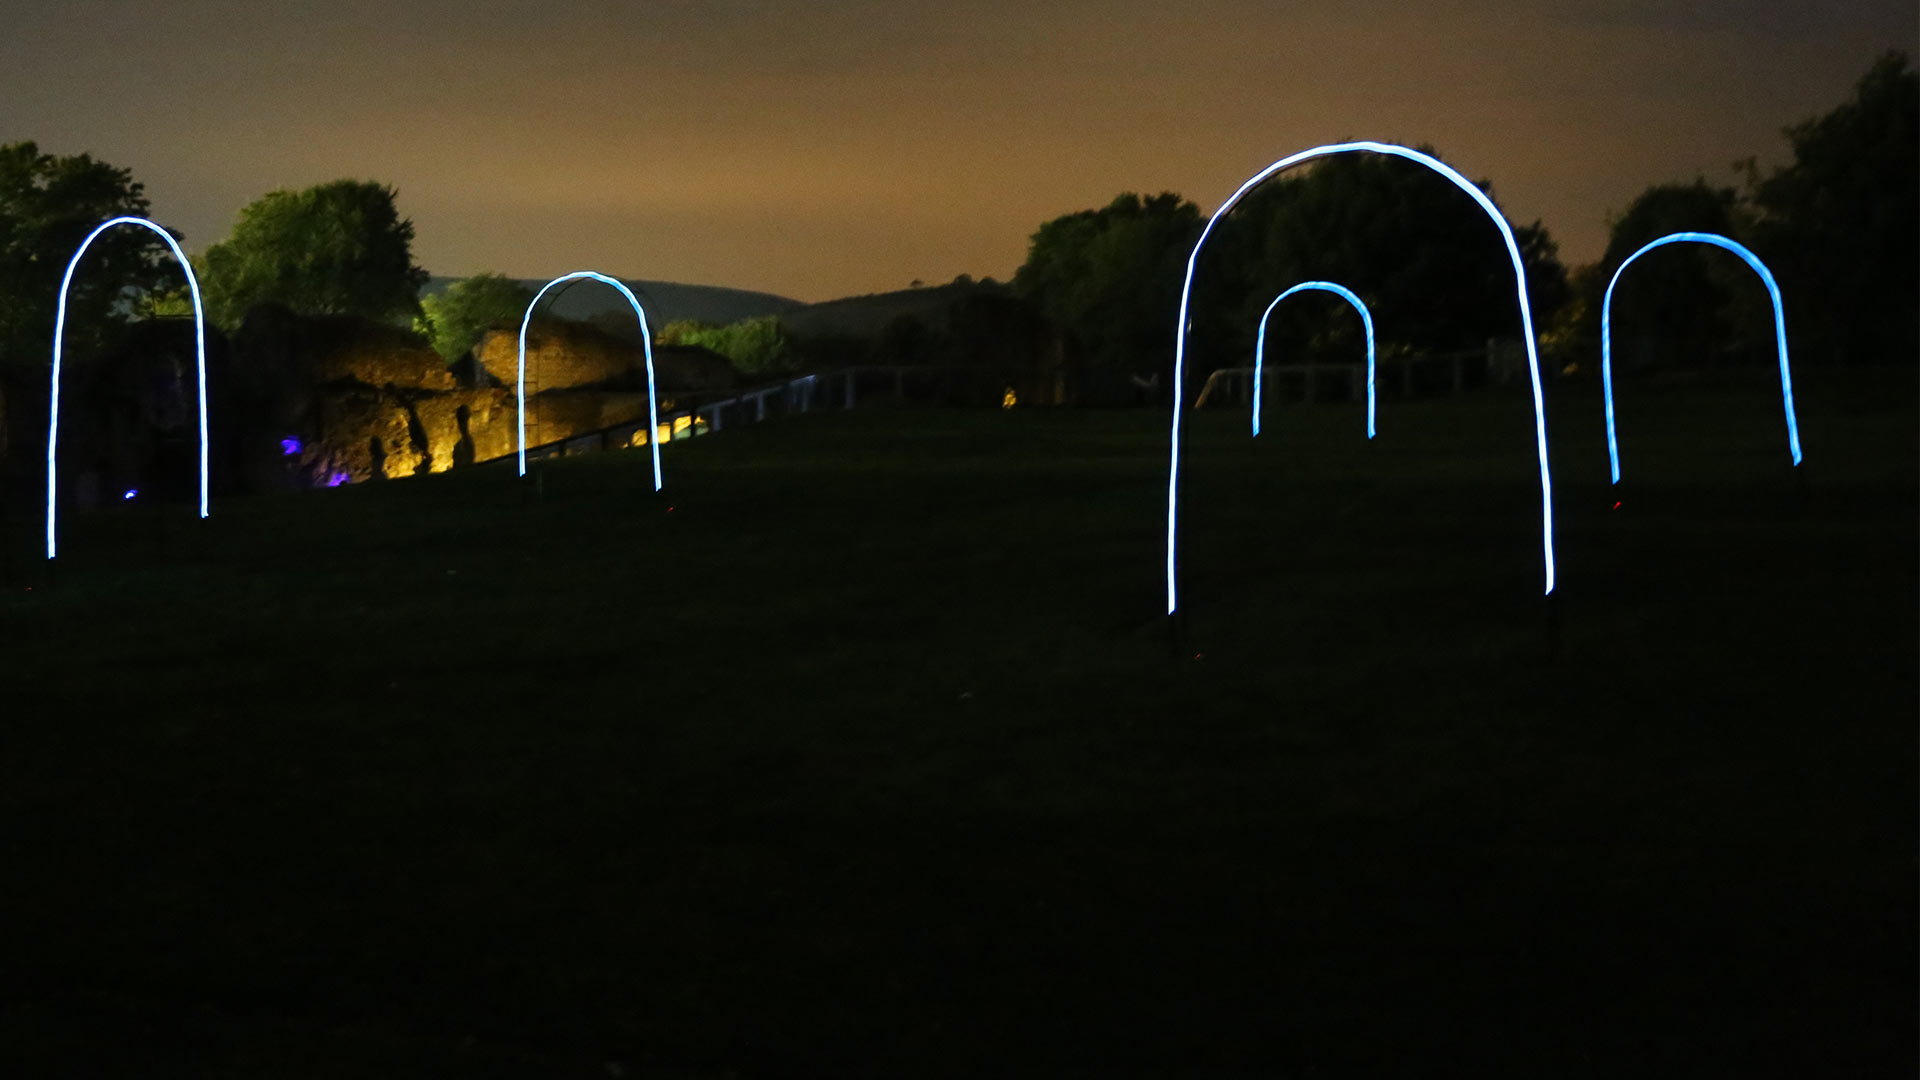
(819, 148)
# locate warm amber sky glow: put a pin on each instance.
(817, 148)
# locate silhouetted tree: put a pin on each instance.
(1417, 249)
(339, 248)
(1840, 229)
(48, 204)
(904, 340)
(1841, 225)
(1110, 278)
(1685, 304)
(1413, 245)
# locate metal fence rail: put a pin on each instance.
(821, 391)
(1422, 375)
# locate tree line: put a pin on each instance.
(1837, 225)
(1096, 293)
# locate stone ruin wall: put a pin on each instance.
(388, 411)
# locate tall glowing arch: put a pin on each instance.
(59, 332)
(1526, 322)
(1260, 341)
(1779, 334)
(646, 345)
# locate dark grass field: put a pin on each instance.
(864, 749)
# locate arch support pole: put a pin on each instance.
(1779, 335)
(59, 334)
(1184, 326)
(1260, 342)
(646, 345)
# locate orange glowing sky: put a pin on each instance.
(817, 149)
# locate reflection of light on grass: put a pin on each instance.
(1009, 400)
(1260, 342)
(646, 345)
(59, 331)
(1779, 334)
(1183, 325)
(337, 479)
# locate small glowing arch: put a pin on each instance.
(1526, 322)
(1779, 334)
(1260, 342)
(646, 345)
(59, 332)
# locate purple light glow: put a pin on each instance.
(290, 447)
(131, 492)
(337, 479)
(59, 332)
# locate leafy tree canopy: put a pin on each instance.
(339, 248)
(754, 346)
(1686, 303)
(457, 319)
(1839, 228)
(48, 205)
(1417, 249)
(1111, 277)
(1842, 222)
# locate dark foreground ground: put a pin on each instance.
(862, 750)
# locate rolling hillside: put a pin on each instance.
(665, 301)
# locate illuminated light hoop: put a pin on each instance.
(59, 331)
(646, 345)
(1779, 334)
(1260, 342)
(1526, 322)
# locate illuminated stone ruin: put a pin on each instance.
(646, 344)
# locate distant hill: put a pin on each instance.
(665, 301)
(867, 316)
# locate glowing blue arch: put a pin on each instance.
(646, 345)
(1260, 342)
(1520, 288)
(1779, 334)
(59, 332)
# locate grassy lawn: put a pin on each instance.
(863, 749)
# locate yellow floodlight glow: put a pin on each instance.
(59, 332)
(646, 344)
